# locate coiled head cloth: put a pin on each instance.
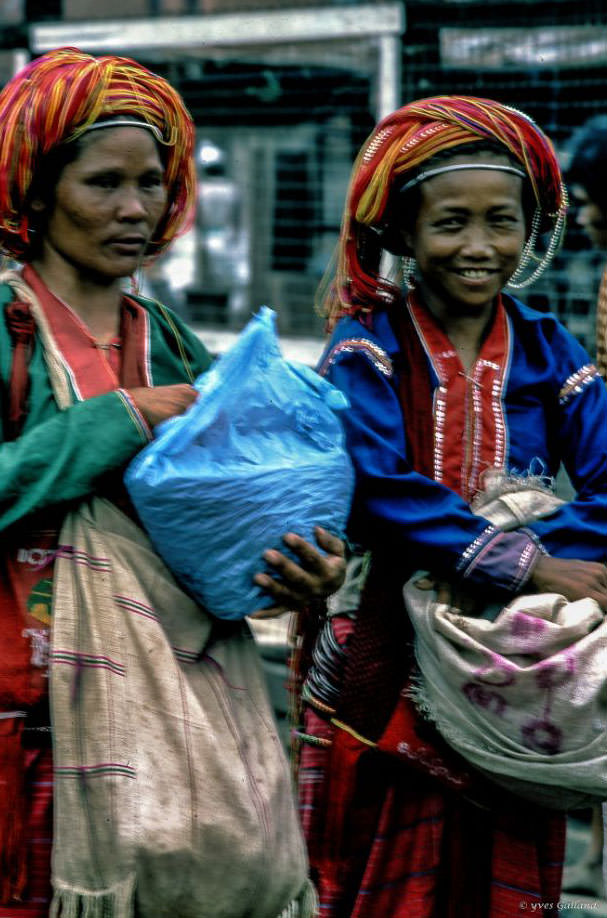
(394, 153)
(54, 100)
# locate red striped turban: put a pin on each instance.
(395, 150)
(54, 99)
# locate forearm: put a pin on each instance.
(429, 527)
(578, 530)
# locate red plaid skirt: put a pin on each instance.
(39, 788)
(410, 849)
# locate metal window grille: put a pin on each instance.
(289, 120)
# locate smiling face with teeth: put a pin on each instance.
(467, 238)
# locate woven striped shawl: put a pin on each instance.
(171, 789)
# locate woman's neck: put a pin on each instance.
(466, 334)
(466, 331)
(97, 304)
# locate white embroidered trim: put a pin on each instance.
(575, 383)
(528, 554)
(475, 546)
(376, 143)
(440, 415)
(378, 357)
(469, 471)
(436, 128)
(147, 348)
(470, 482)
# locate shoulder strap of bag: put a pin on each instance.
(25, 318)
(21, 327)
(146, 301)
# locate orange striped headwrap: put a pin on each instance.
(54, 99)
(393, 153)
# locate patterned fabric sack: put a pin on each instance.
(173, 798)
(520, 691)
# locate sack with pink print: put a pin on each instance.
(520, 691)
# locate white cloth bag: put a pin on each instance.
(520, 692)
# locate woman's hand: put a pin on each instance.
(572, 579)
(159, 403)
(315, 577)
(456, 597)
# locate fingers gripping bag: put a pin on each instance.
(260, 453)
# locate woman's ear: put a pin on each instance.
(393, 240)
(407, 237)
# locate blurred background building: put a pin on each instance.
(284, 91)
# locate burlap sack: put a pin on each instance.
(173, 798)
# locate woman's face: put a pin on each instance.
(107, 204)
(467, 239)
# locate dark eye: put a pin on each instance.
(151, 181)
(449, 223)
(505, 223)
(504, 218)
(104, 180)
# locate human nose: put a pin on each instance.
(476, 241)
(131, 205)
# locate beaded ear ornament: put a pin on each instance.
(408, 272)
(540, 262)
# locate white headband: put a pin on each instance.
(430, 173)
(125, 122)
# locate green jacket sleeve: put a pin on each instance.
(64, 456)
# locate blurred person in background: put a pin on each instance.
(223, 247)
(587, 180)
(205, 273)
(96, 175)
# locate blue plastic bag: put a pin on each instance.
(259, 454)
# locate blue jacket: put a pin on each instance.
(554, 407)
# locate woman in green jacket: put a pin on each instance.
(96, 175)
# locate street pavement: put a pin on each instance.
(573, 904)
(302, 350)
